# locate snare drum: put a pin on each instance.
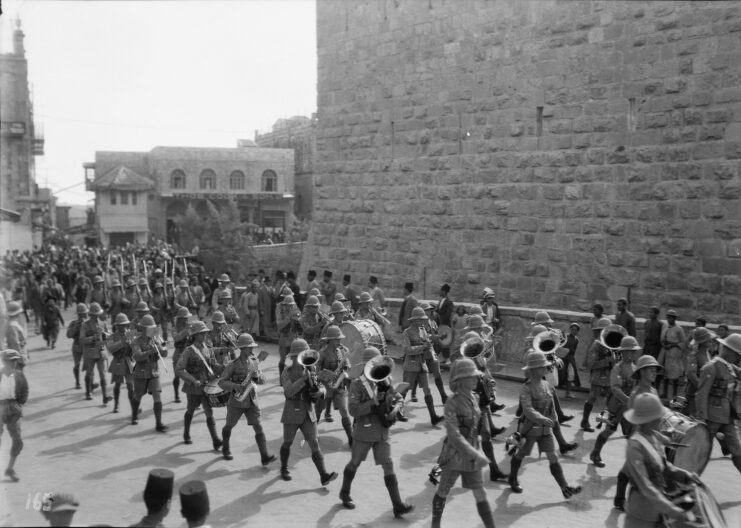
(705, 508)
(697, 442)
(361, 334)
(215, 395)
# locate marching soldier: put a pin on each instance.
(338, 314)
(197, 366)
(144, 293)
(225, 283)
(132, 299)
(221, 346)
(431, 354)
(300, 388)
(183, 298)
(372, 404)
(159, 308)
(122, 364)
(140, 311)
(621, 384)
(599, 362)
(93, 337)
(289, 328)
(536, 424)
(225, 307)
(312, 322)
(180, 337)
(147, 355)
(98, 293)
(718, 392)
(13, 395)
(332, 368)
(240, 378)
(460, 455)
(367, 311)
(74, 333)
(416, 342)
(119, 302)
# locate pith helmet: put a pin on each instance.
(14, 308)
(121, 319)
(141, 306)
(312, 301)
(463, 368)
(601, 323)
(629, 343)
(733, 342)
(98, 279)
(198, 327)
(297, 346)
(246, 341)
(542, 318)
(95, 309)
(474, 321)
(646, 408)
(333, 332)
(182, 313)
(337, 308)
(365, 297)
(147, 322)
(218, 317)
(224, 278)
(646, 361)
(418, 313)
(535, 360)
(82, 309)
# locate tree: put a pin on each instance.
(224, 242)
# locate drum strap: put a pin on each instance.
(649, 447)
(205, 363)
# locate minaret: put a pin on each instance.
(18, 48)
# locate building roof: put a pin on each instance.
(122, 178)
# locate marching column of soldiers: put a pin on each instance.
(218, 367)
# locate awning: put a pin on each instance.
(10, 215)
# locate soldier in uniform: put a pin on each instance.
(338, 314)
(226, 307)
(415, 342)
(224, 284)
(147, 354)
(700, 352)
(13, 395)
(312, 322)
(240, 378)
(461, 455)
(93, 335)
(599, 362)
(367, 311)
(289, 328)
(180, 337)
(141, 309)
(621, 385)
(160, 309)
(431, 355)
(132, 299)
(122, 364)
(144, 293)
(300, 388)
(717, 394)
(221, 347)
(74, 333)
(369, 405)
(197, 366)
(332, 368)
(119, 302)
(98, 294)
(536, 423)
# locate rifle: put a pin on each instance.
(146, 277)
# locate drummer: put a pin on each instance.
(431, 354)
(332, 368)
(649, 472)
(196, 368)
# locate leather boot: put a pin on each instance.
(563, 445)
(88, 396)
(285, 452)
(392, 485)
(116, 396)
(134, 411)
(434, 418)
(187, 420)
(347, 477)
(512, 479)
(281, 366)
(594, 456)
(562, 418)
(226, 433)
(568, 491)
(485, 513)
(622, 486)
(327, 410)
(325, 477)
(737, 462)
(494, 472)
(438, 506)
(585, 418)
(262, 444)
(347, 426)
(176, 388)
(76, 372)
(441, 389)
(211, 424)
(103, 387)
(159, 427)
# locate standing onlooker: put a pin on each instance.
(3, 318)
(157, 497)
(490, 310)
(327, 287)
(565, 380)
(194, 504)
(407, 305)
(13, 395)
(50, 322)
(652, 329)
(444, 307)
(672, 354)
(379, 300)
(350, 292)
(625, 318)
(15, 333)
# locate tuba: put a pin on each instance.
(610, 338)
(473, 347)
(390, 402)
(549, 341)
(379, 369)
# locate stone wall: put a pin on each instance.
(560, 152)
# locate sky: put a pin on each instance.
(132, 75)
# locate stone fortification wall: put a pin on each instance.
(560, 152)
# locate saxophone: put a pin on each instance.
(247, 386)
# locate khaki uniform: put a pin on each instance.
(463, 424)
(715, 403)
(146, 370)
(231, 380)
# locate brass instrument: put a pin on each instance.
(380, 316)
(390, 402)
(340, 374)
(610, 338)
(548, 342)
(473, 347)
(308, 359)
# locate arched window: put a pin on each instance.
(269, 181)
(236, 180)
(177, 179)
(208, 179)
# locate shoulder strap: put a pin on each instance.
(200, 356)
(649, 447)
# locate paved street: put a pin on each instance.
(79, 446)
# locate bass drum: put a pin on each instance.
(361, 334)
(215, 395)
(695, 440)
(705, 508)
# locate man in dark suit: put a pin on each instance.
(409, 303)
